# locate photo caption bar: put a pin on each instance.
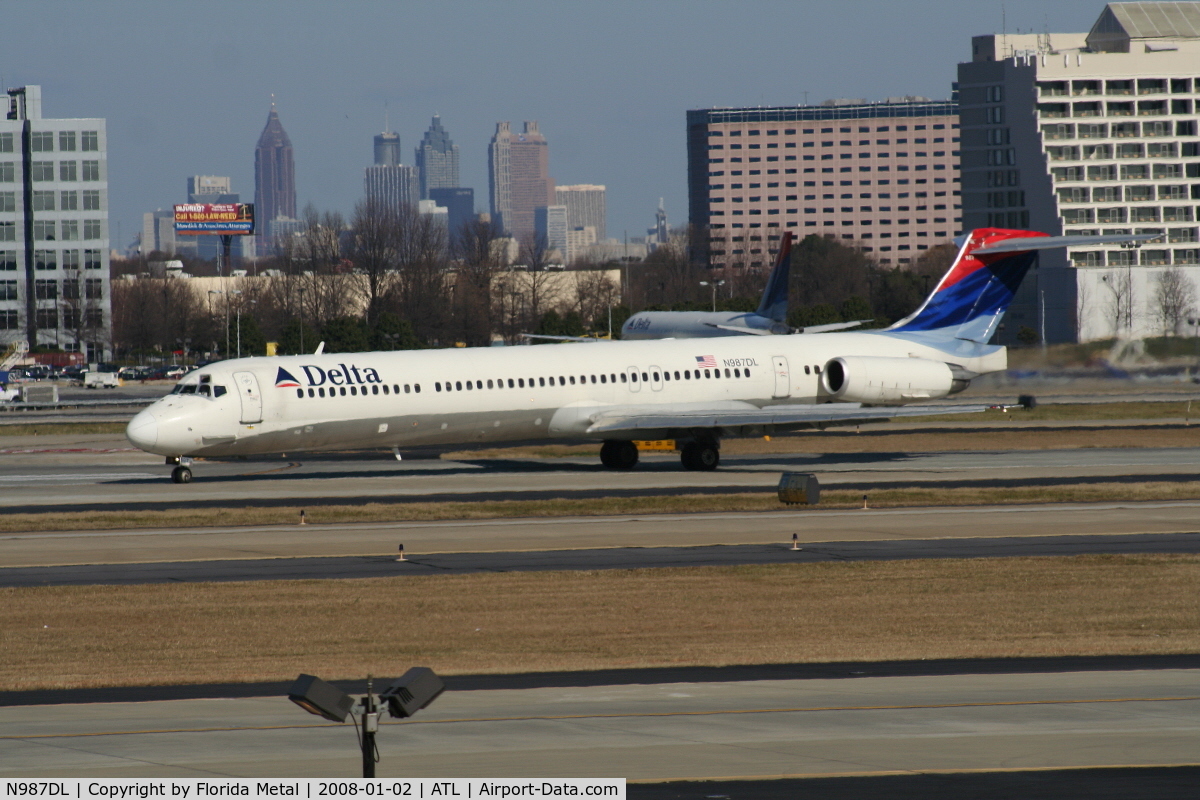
(416, 788)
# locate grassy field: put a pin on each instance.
(520, 622)
(571, 507)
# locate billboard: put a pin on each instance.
(214, 219)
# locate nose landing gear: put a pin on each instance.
(183, 471)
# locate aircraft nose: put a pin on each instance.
(142, 431)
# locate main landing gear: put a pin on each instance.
(701, 456)
(183, 472)
(618, 454)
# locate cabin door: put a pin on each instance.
(783, 380)
(247, 386)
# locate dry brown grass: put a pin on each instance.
(518, 622)
(60, 428)
(604, 506)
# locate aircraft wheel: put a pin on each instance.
(700, 456)
(619, 455)
(181, 475)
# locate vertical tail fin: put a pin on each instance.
(971, 298)
(774, 303)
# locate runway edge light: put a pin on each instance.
(318, 697)
(412, 691)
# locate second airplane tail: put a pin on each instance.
(774, 303)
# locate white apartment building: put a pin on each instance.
(54, 247)
(1091, 133)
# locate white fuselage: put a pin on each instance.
(421, 397)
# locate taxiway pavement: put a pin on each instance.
(857, 726)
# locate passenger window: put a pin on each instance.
(469, 387)
(806, 369)
(622, 377)
(747, 373)
(633, 377)
(521, 383)
(299, 392)
(437, 386)
(458, 386)
(541, 381)
(385, 388)
(354, 391)
(510, 383)
(321, 392)
(706, 374)
(343, 391)
(603, 378)
(572, 380)
(645, 377)
(416, 388)
(593, 379)
(727, 372)
(405, 389)
(656, 377)
(737, 373)
(375, 390)
(687, 374)
(220, 390)
(817, 369)
(612, 378)
(489, 383)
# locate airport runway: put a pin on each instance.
(85, 473)
(774, 728)
(389, 566)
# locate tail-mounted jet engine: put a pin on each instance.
(866, 379)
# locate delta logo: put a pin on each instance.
(341, 375)
(286, 380)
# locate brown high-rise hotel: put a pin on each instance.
(881, 175)
(274, 182)
(519, 178)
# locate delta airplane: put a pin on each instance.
(694, 391)
(769, 319)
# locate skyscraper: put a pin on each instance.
(519, 167)
(388, 181)
(274, 181)
(500, 176)
(459, 202)
(437, 159)
(585, 206)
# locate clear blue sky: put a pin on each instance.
(185, 86)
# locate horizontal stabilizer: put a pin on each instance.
(1049, 242)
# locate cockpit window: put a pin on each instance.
(205, 390)
(218, 391)
(188, 388)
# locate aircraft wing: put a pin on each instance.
(637, 420)
(741, 329)
(560, 338)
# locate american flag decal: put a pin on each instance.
(706, 361)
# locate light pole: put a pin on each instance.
(714, 285)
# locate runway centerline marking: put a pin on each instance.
(631, 715)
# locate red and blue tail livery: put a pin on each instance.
(971, 298)
(285, 380)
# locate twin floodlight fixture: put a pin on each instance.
(404, 697)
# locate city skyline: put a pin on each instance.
(613, 105)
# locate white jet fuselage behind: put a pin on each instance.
(481, 395)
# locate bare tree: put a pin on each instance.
(421, 294)
(1120, 303)
(595, 294)
(479, 260)
(1174, 299)
(376, 229)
